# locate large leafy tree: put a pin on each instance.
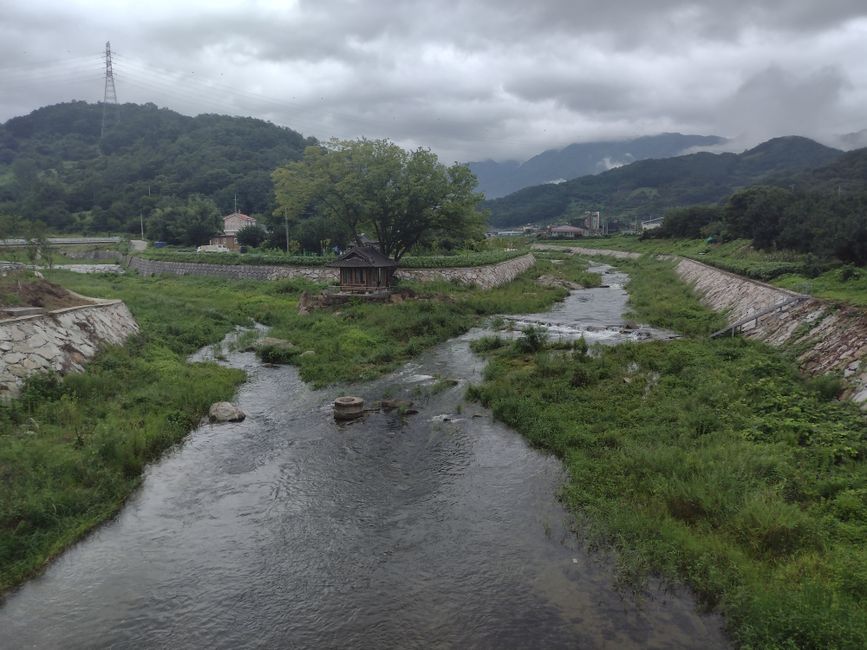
(400, 197)
(189, 224)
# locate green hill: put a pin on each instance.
(55, 167)
(649, 187)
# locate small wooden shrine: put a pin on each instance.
(364, 269)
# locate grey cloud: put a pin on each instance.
(470, 78)
(575, 94)
(775, 102)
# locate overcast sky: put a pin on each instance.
(471, 79)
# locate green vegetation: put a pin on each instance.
(403, 198)
(360, 341)
(844, 284)
(711, 462)
(658, 297)
(829, 225)
(269, 258)
(737, 256)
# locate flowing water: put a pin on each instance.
(439, 529)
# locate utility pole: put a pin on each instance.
(141, 222)
(286, 223)
(110, 96)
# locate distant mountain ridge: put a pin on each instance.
(497, 179)
(649, 187)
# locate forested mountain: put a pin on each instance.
(846, 174)
(497, 179)
(649, 187)
(55, 167)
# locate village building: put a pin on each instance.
(232, 223)
(564, 232)
(364, 269)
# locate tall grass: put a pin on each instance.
(711, 462)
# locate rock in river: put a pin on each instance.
(225, 412)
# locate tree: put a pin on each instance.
(37, 245)
(188, 224)
(401, 197)
(757, 213)
(252, 235)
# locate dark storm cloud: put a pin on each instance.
(469, 78)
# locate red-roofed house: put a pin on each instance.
(564, 232)
(232, 223)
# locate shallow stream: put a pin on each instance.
(288, 530)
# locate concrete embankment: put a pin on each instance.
(827, 337)
(62, 340)
(486, 277)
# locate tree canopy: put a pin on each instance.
(826, 224)
(188, 223)
(374, 187)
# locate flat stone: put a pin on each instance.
(17, 312)
(30, 363)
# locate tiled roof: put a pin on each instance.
(363, 256)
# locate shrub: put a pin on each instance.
(532, 340)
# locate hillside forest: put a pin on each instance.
(55, 167)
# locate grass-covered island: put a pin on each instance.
(711, 462)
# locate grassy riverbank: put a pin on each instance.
(710, 462)
(72, 449)
(790, 270)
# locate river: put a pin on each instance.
(439, 529)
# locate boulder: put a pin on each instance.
(225, 412)
(552, 282)
(274, 343)
(391, 404)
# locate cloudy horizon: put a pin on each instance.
(471, 80)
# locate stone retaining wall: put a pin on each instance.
(486, 277)
(62, 340)
(98, 254)
(593, 252)
(831, 338)
(233, 271)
